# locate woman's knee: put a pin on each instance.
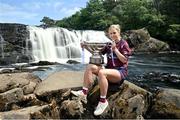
(101, 73)
(92, 67)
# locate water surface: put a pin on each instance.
(139, 66)
(154, 64)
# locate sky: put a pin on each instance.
(31, 12)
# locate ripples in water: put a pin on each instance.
(139, 66)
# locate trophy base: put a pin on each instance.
(96, 61)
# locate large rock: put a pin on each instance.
(9, 97)
(141, 41)
(16, 90)
(72, 109)
(17, 80)
(129, 102)
(136, 37)
(166, 104)
(33, 112)
(152, 45)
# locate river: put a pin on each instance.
(145, 70)
(155, 70)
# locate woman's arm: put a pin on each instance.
(120, 56)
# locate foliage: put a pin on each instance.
(131, 13)
(173, 33)
(47, 22)
(171, 8)
(157, 25)
(167, 12)
(94, 17)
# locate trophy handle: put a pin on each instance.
(86, 47)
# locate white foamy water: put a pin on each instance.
(2, 45)
(59, 44)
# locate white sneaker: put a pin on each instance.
(78, 93)
(100, 108)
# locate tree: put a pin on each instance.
(94, 17)
(132, 14)
(165, 23)
(171, 8)
(47, 22)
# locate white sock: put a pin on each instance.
(85, 88)
(102, 96)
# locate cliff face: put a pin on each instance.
(13, 42)
(14, 34)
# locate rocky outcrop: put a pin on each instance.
(14, 35)
(141, 41)
(18, 101)
(166, 104)
(128, 102)
(25, 96)
(33, 112)
(14, 39)
(14, 88)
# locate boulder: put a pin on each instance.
(13, 90)
(129, 102)
(152, 45)
(72, 109)
(136, 37)
(10, 97)
(16, 80)
(33, 112)
(166, 104)
(141, 41)
(28, 89)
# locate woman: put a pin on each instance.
(114, 72)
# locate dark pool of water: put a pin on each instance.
(143, 64)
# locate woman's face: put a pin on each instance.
(114, 34)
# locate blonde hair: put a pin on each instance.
(115, 26)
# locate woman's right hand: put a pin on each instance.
(82, 45)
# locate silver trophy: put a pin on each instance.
(95, 49)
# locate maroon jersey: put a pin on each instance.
(112, 59)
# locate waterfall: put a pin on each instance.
(2, 45)
(59, 44)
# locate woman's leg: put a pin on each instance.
(106, 75)
(88, 74)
